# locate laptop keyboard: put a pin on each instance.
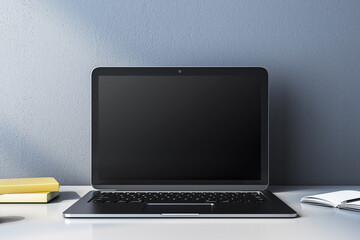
(179, 197)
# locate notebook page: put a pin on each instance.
(335, 198)
(354, 206)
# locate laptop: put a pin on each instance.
(179, 142)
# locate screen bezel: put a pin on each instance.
(175, 185)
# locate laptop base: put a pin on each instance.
(273, 208)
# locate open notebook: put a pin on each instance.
(346, 199)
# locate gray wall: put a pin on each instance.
(310, 48)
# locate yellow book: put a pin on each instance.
(41, 197)
(28, 185)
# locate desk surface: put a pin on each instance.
(45, 221)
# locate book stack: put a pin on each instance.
(28, 190)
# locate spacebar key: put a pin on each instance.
(179, 203)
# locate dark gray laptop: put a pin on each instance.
(179, 142)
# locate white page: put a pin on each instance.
(334, 198)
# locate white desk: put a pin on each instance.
(45, 221)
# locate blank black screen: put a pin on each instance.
(178, 128)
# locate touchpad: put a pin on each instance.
(178, 209)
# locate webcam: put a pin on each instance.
(179, 71)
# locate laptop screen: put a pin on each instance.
(179, 128)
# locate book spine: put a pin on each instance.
(46, 187)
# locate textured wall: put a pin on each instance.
(310, 48)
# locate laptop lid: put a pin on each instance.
(179, 128)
